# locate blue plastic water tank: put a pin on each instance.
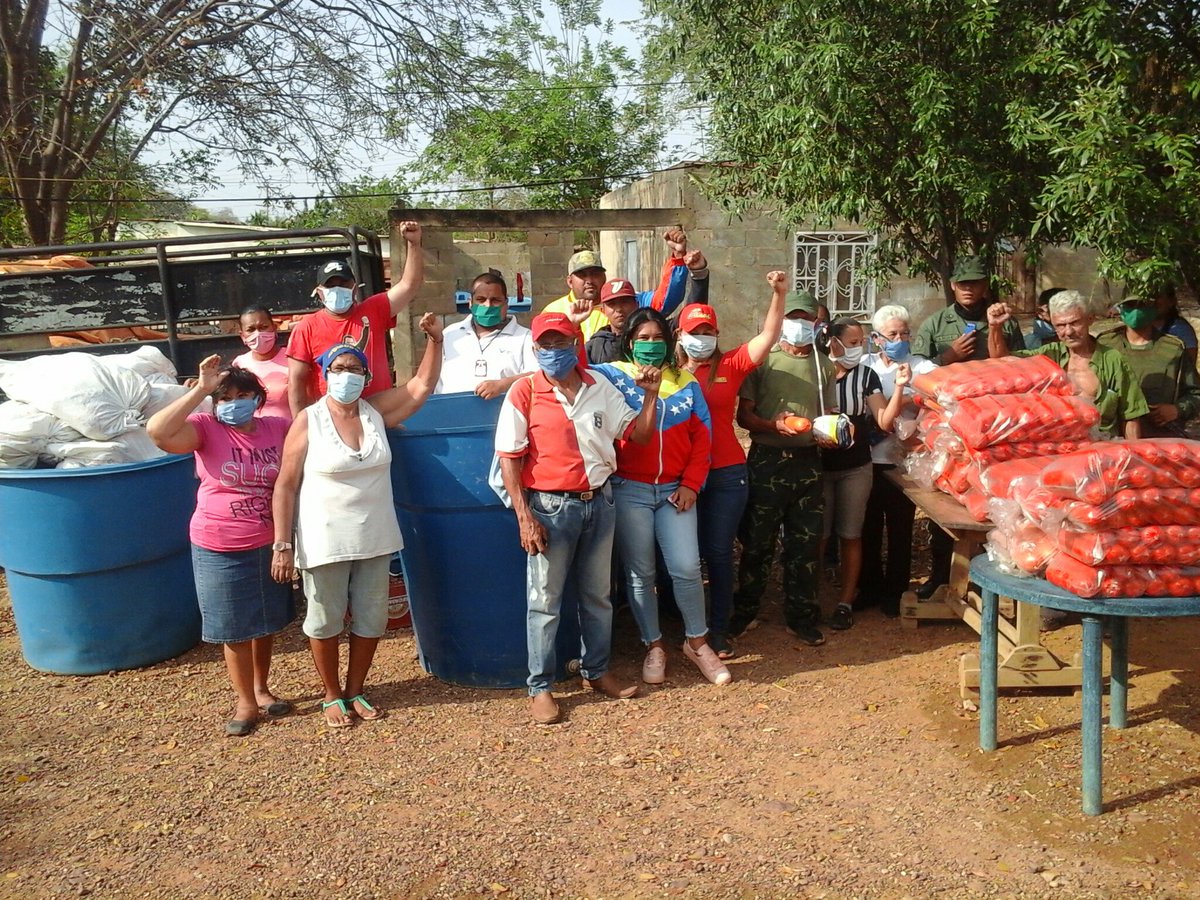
(99, 564)
(463, 561)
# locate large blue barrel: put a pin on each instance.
(463, 561)
(99, 564)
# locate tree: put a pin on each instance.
(561, 118)
(272, 83)
(362, 202)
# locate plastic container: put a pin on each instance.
(463, 562)
(99, 564)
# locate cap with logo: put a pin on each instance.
(546, 322)
(969, 268)
(617, 289)
(696, 314)
(335, 268)
(800, 301)
(584, 259)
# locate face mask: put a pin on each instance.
(236, 412)
(345, 387)
(486, 316)
(338, 299)
(557, 362)
(798, 332)
(851, 357)
(649, 353)
(897, 351)
(698, 346)
(1138, 317)
(259, 341)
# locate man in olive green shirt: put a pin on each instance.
(960, 331)
(1161, 365)
(1100, 373)
(784, 468)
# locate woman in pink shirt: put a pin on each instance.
(723, 498)
(237, 462)
(266, 358)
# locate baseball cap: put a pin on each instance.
(801, 301)
(696, 314)
(551, 321)
(969, 268)
(584, 259)
(616, 289)
(335, 268)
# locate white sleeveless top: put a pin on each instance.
(345, 509)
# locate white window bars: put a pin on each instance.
(828, 265)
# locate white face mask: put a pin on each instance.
(338, 299)
(798, 332)
(345, 387)
(851, 357)
(698, 346)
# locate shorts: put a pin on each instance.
(357, 585)
(239, 600)
(846, 495)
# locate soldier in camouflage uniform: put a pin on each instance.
(785, 476)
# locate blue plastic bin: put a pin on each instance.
(463, 561)
(99, 565)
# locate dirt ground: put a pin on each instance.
(849, 770)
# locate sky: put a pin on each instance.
(232, 184)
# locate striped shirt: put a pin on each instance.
(853, 389)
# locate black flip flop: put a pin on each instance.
(276, 709)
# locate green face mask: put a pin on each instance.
(649, 353)
(486, 316)
(1138, 317)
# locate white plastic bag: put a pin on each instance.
(145, 361)
(97, 400)
(24, 433)
(162, 395)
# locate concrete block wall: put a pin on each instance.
(474, 257)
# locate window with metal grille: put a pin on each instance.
(829, 264)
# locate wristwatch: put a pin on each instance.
(281, 545)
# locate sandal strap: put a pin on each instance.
(363, 700)
(339, 703)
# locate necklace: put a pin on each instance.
(481, 366)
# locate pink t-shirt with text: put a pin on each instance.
(237, 473)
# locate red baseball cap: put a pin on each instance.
(696, 314)
(552, 321)
(616, 290)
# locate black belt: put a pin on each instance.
(574, 495)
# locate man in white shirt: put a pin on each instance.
(488, 350)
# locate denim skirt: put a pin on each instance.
(239, 600)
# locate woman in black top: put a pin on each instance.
(848, 470)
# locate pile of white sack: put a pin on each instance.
(78, 410)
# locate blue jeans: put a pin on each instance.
(720, 510)
(646, 517)
(579, 547)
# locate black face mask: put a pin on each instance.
(978, 313)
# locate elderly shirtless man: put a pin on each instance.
(1099, 373)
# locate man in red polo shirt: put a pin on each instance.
(343, 315)
(555, 440)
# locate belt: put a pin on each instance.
(575, 495)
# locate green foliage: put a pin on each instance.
(363, 202)
(554, 114)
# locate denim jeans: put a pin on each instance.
(720, 510)
(647, 517)
(579, 540)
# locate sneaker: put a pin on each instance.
(842, 618)
(708, 664)
(654, 668)
(809, 634)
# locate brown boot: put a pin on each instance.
(544, 709)
(609, 685)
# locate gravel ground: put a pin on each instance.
(849, 770)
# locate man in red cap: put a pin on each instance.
(555, 440)
(619, 299)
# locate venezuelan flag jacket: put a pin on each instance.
(681, 445)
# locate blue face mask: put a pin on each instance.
(558, 362)
(338, 299)
(897, 351)
(345, 387)
(236, 412)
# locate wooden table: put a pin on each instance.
(1024, 662)
(1096, 613)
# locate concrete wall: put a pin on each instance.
(476, 256)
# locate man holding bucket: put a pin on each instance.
(555, 441)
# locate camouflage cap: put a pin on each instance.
(584, 259)
(969, 268)
(801, 301)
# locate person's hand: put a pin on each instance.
(695, 260)
(963, 347)
(534, 539)
(190, 383)
(432, 326)
(1163, 413)
(411, 232)
(489, 389)
(781, 424)
(778, 281)
(677, 240)
(683, 499)
(210, 377)
(579, 311)
(998, 314)
(648, 379)
(903, 375)
(283, 566)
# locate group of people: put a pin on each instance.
(618, 407)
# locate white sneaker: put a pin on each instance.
(708, 663)
(654, 668)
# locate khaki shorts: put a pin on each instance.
(846, 495)
(359, 585)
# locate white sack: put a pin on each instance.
(24, 433)
(145, 361)
(96, 400)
